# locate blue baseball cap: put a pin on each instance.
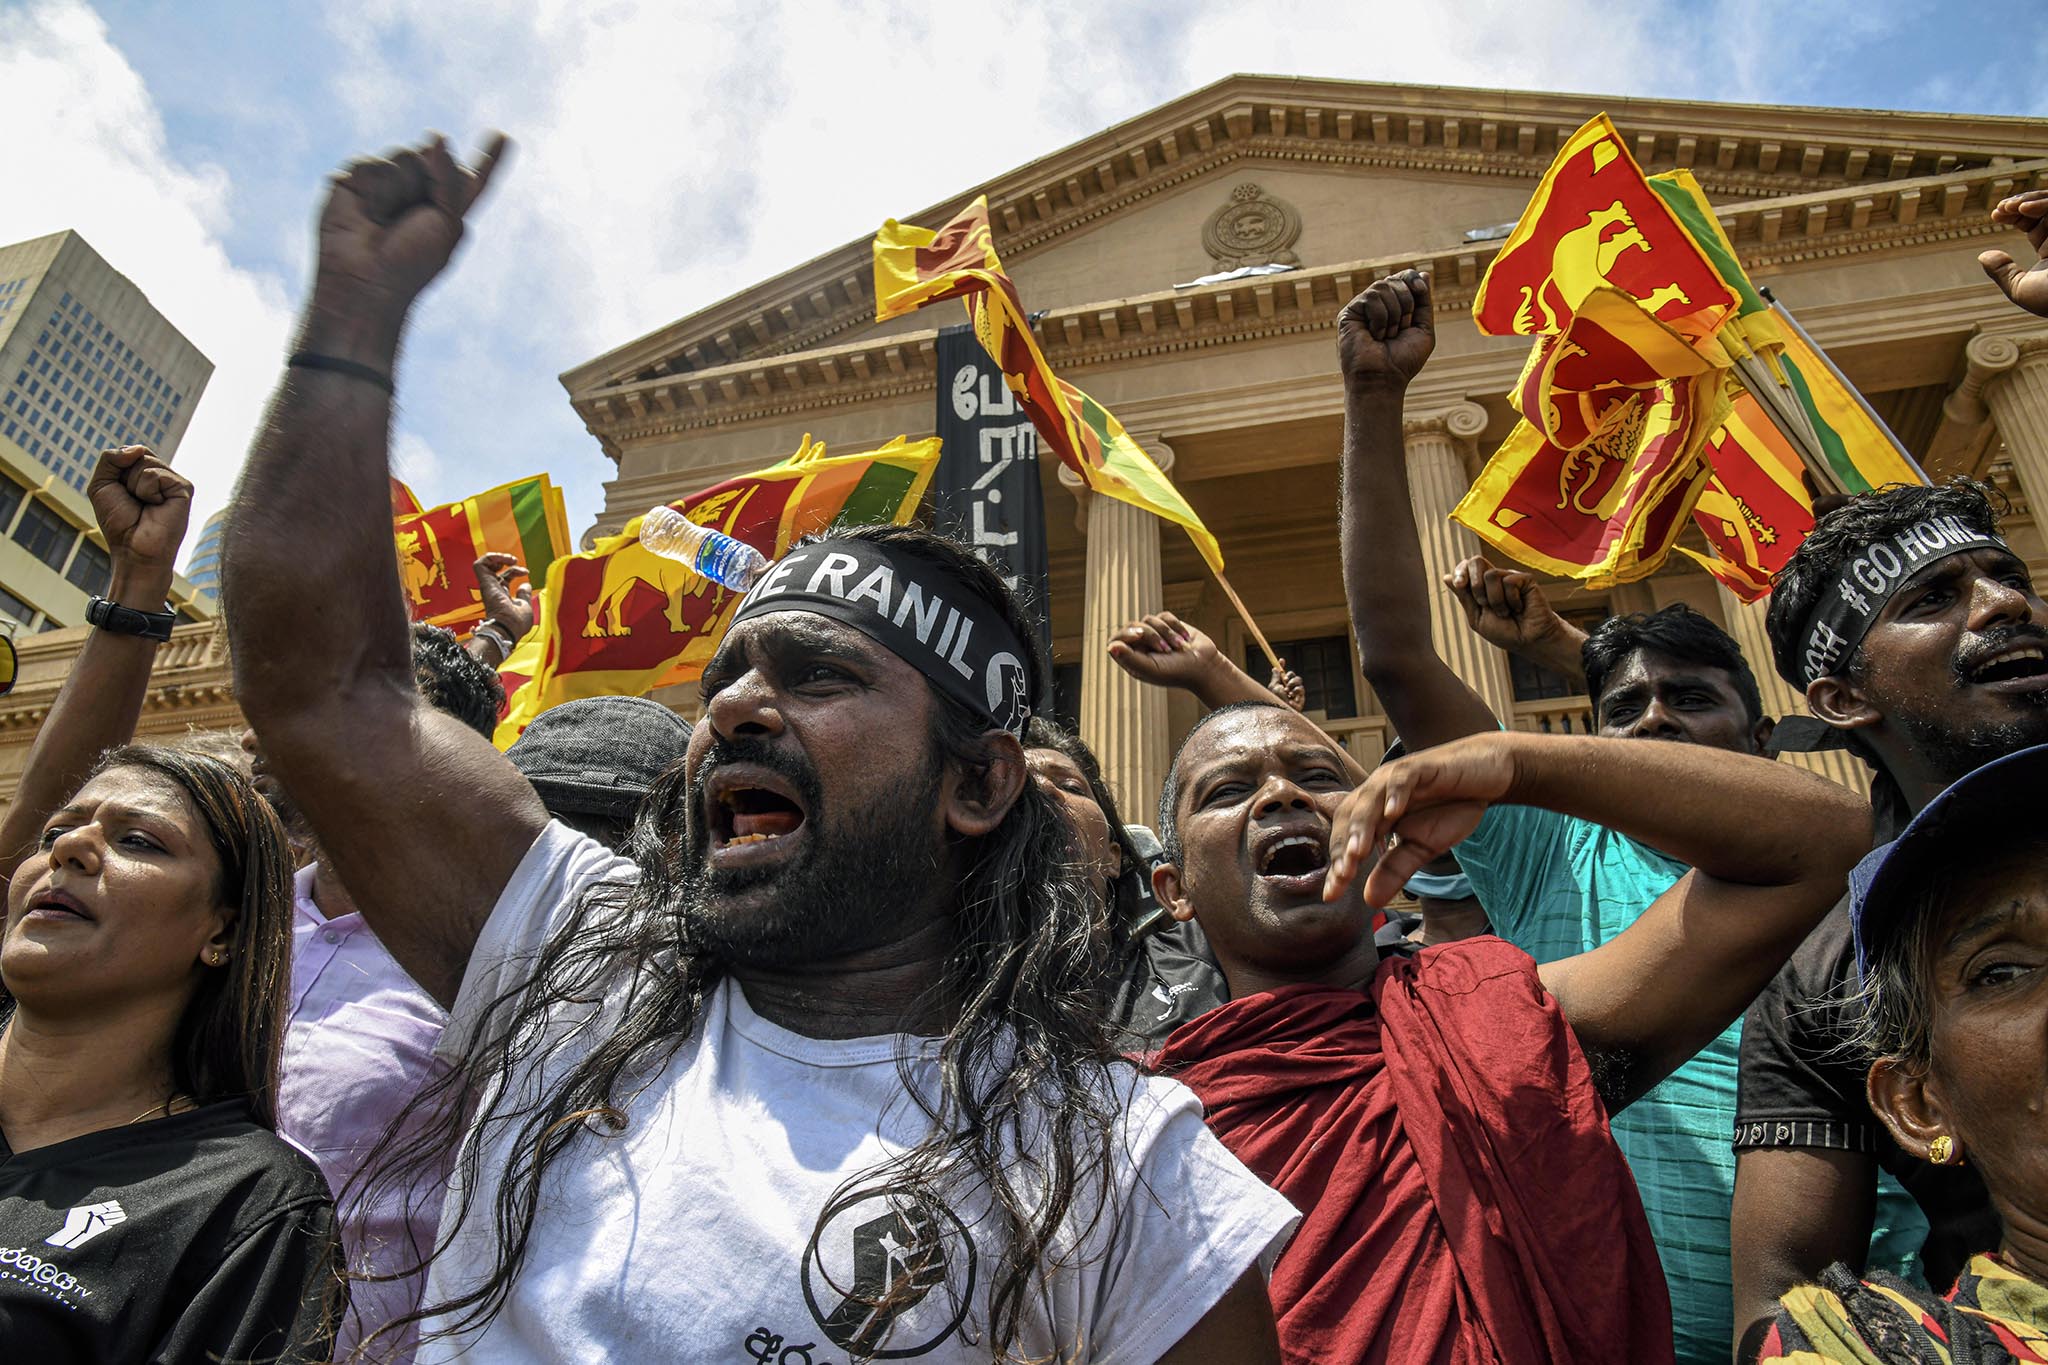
(1999, 800)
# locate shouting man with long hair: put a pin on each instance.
(823, 1069)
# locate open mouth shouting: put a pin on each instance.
(2021, 666)
(753, 815)
(1293, 859)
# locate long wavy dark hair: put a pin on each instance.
(1025, 1107)
(231, 1034)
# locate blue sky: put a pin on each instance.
(671, 154)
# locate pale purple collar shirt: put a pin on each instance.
(359, 1045)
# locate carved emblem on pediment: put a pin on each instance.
(1254, 228)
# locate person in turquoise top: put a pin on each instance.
(1553, 886)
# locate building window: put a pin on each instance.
(44, 534)
(11, 494)
(1324, 664)
(14, 609)
(91, 570)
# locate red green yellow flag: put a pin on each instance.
(1755, 510)
(437, 547)
(916, 266)
(619, 619)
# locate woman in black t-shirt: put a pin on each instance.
(148, 1211)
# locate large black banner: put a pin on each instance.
(985, 490)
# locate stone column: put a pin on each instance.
(1122, 720)
(1746, 624)
(1436, 481)
(2015, 389)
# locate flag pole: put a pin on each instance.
(1789, 417)
(1786, 314)
(1245, 613)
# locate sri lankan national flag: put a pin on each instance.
(915, 266)
(1754, 510)
(622, 620)
(438, 547)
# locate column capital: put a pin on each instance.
(1462, 420)
(1989, 357)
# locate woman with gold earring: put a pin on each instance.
(148, 1209)
(1951, 932)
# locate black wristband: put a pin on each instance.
(112, 616)
(313, 360)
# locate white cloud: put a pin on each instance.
(86, 137)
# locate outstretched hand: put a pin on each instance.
(1164, 650)
(1386, 334)
(1286, 684)
(391, 223)
(142, 507)
(1412, 811)
(510, 607)
(2026, 286)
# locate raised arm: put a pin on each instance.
(1165, 651)
(142, 508)
(1507, 608)
(1384, 337)
(1770, 846)
(423, 820)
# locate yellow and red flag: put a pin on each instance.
(1609, 509)
(622, 620)
(1755, 510)
(1596, 223)
(915, 266)
(438, 547)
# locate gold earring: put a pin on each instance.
(1942, 1151)
(214, 957)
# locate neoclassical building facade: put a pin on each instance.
(1865, 224)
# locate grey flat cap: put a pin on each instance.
(599, 755)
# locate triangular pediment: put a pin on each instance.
(1370, 169)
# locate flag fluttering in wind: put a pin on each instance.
(438, 547)
(619, 619)
(1664, 386)
(916, 266)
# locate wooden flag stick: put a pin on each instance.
(1251, 625)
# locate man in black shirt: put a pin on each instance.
(1918, 640)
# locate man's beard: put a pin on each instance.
(1954, 752)
(862, 877)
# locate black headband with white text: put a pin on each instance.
(915, 610)
(1845, 612)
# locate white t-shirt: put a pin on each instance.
(691, 1234)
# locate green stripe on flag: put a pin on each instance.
(878, 495)
(1707, 236)
(530, 514)
(1831, 443)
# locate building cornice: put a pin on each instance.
(1772, 235)
(1743, 152)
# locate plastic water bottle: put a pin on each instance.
(727, 562)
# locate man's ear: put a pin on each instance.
(979, 798)
(1760, 734)
(1166, 885)
(1910, 1103)
(1840, 703)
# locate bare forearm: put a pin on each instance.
(94, 711)
(310, 575)
(1386, 585)
(1562, 652)
(1732, 816)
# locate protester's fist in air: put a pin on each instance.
(1412, 811)
(1385, 335)
(391, 223)
(1504, 607)
(508, 606)
(1163, 650)
(142, 507)
(1287, 686)
(2026, 286)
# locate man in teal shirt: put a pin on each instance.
(1554, 886)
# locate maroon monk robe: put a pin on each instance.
(1462, 1199)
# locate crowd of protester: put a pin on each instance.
(861, 1020)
